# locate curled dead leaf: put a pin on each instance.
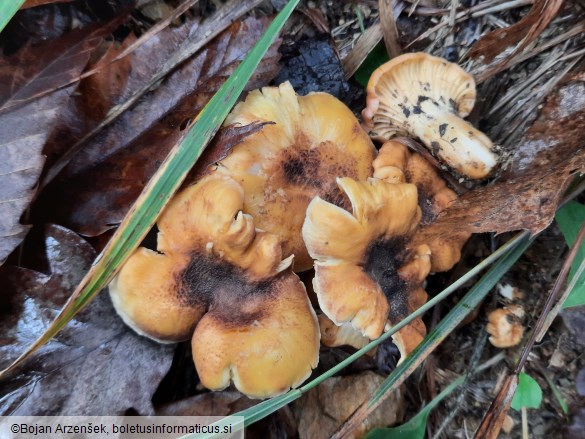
(104, 179)
(325, 408)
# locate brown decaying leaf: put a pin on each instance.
(37, 68)
(96, 189)
(25, 129)
(492, 422)
(23, 133)
(523, 32)
(324, 409)
(96, 366)
(32, 3)
(548, 156)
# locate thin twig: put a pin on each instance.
(389, 29)
(476, 11)
(493, 419)
(559, 305)
(453, 12)
(552, 297)
(364, 45)
(524, 423)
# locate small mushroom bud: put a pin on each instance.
(427, 97)
(505, 327)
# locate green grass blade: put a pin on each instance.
(472, 299)
(467, 304)
(162, 186)
(7, 10)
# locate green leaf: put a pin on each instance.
(417, 426)
(570, 218)
(528, 394)
(413, 429)
(7, 10)
(161, 187)
(377, 57)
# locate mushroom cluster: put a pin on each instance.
(218, 279)
(312, 140)
(307, 189)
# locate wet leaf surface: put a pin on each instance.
(24, 130)
(103, 180)
(95, 366)
(324, 409)
(22, 135)
(38, 68)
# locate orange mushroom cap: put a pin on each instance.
(364, 275)
(505, 326)
(427, 97)
(219, 276)
(313, 140)
(397, 164)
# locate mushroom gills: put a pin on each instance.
(427, 97)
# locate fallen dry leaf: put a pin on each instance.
(544, 162)
(33, 3)
(206, 404)
(523, 32)
(22, 135)
(24, 130)
(103, 180)
(95, 366)
(325, 408)
(38, 68)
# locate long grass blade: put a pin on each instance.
(161, 187)
(472, 299)
(7, 10)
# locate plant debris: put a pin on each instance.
(95, 365)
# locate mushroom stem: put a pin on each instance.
(453, 139)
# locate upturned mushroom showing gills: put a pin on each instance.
(313, 139)
(427, 97)
(364, 274)
(220, 280)
(397, 164)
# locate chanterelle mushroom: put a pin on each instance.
(397, 164)
(313, 140)
(217, 275)
(364, 275)
(427, 97)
